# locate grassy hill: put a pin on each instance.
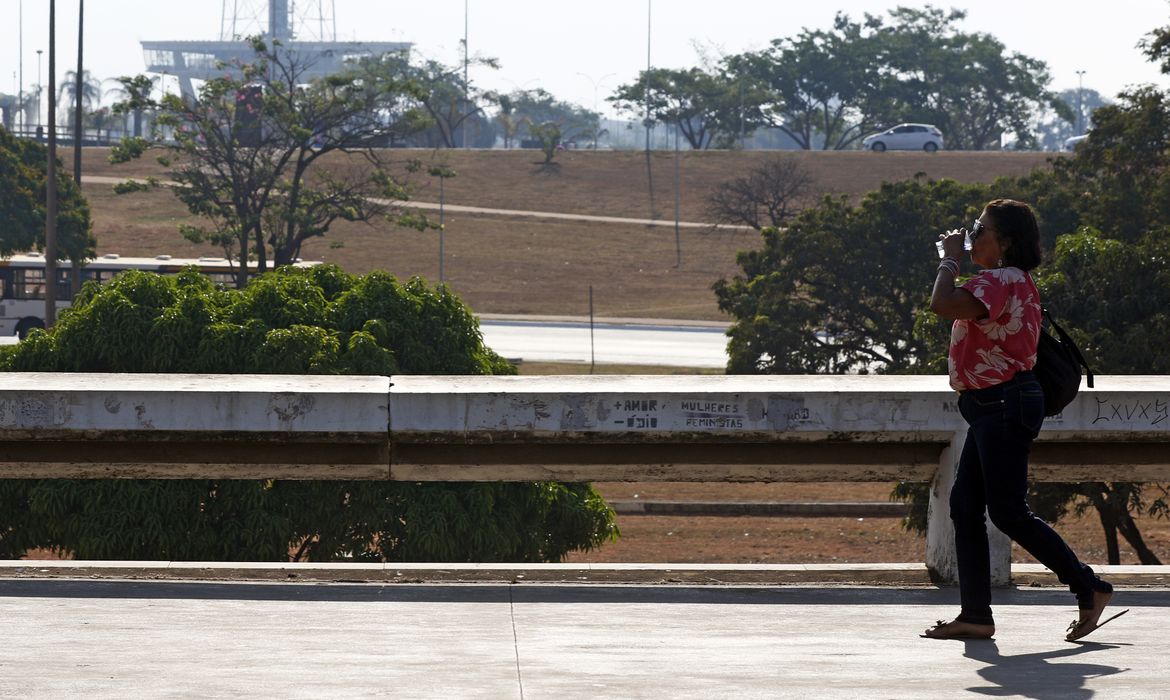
(510, 264)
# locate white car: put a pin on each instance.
(905, 137)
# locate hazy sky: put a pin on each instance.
(582, 50)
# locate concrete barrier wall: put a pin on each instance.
(677, 428)
(193, 426)
(579, 428)
(633, 428)
(781, 428)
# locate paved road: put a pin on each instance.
(610, 343)
(120, 639)
(510, 213)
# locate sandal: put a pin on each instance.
(1091, 620)
(958, 629)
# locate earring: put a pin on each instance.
(1000, 263)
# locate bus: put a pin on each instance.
(22, 282)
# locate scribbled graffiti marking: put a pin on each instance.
(640, 413)
(1154, 411)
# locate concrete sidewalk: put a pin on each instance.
(122, 638)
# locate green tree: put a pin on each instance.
(450, 105)
(833, 292)
(815, 87)
(1107, 277)
(1112, 296)
(302, 321)
(703, 106)
(22, 203)
(1120, 176)
(9, 108)
(1156, 47)
(1053, 128)
(967, 84)
(133, 95)
(249, 154)
(508, 120)
(100, 120)
(827, 88)
(67, 94)
(549, 136)
(536, 108)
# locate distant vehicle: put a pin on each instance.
(1070, 144)
(905, 137)
(22, 282)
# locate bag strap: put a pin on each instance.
(1068, 342)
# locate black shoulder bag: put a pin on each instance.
(1058, 367)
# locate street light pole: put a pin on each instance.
(20, 64)
(39, 52)
(596, 86)
(647, 95)
(649, 167)
(1080, 103)
(77, 94)
(51, 180)
(742, 133)
(466, 57)
(677, 197)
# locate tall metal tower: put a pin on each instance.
(306, 27)
(286, 20)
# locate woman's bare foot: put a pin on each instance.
(957, 629)
(1090, 617)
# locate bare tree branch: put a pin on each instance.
(769, 195)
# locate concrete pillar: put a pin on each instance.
(1001, 556)
(940, 532)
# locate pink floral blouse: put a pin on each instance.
(991, 350)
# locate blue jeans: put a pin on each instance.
(993, 477)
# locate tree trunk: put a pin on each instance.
(1128, 527)
(1131, 533)
(261, 252)
(242, 271)
(1112, 504)
(75, 277)
(1109, 525)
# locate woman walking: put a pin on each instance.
(992, 352)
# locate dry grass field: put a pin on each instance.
(510, 264)
(524, 265)
(783, 540)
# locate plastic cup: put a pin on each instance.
(966, 245)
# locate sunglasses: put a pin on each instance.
(977, 229)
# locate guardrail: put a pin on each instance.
(582, 428)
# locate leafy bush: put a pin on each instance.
(292, 321)
(130, 186)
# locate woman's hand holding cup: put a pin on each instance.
(952, 244)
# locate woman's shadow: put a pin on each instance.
(1031, 676)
